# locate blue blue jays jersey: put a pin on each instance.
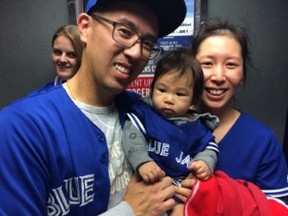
(172, 146)
(54, 160)
(251, 151)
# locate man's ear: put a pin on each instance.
(84, 25)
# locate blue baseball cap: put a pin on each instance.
(170, 13)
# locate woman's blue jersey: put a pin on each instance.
(251, 151)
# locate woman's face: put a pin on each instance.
(222, 64)
(64, 57)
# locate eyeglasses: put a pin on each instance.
(128, 38)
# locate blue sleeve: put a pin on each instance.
(24, 178)
(273, 172)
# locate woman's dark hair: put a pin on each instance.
(218, 26)
(180, 60)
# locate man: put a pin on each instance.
(60, 146)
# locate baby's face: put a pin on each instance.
(172, 95)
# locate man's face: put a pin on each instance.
(111, 65)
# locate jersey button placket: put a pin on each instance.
(104, 158)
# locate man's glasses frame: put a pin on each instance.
(126, 37)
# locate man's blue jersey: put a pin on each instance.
(53, 158)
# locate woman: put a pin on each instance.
(248, 149)
(66, 52)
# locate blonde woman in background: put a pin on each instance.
(66, 52)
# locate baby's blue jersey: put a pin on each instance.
(53, 158)
(252, 152)
(170, 145)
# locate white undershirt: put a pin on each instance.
(107, 119)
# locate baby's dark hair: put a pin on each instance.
(180, 60)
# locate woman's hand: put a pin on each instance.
(184, 191)
(178, 210)
(150, 199)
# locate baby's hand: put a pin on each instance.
(151, 172)
(202, 171)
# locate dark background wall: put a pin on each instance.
(25, 44)
(25, 47)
